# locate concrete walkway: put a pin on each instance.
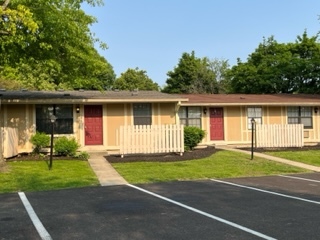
(272, 158)
(106, 174)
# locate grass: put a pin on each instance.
(311, 157)
(35, 176)
(222, 164)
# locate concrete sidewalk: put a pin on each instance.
(106, 174)
(272, 158)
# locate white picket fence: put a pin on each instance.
(151, 139)
(279, 135)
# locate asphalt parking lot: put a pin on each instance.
(274, 207)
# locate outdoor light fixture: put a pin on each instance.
(53, 119)
(252, 135)
(77, 109)
(316, 110)
(205, 110)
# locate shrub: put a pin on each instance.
(66, 146)
(192, 136)
(83, 156)
(39, 141)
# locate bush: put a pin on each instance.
(39, 141)
(66, 146)
(192, 136)
(83, 156)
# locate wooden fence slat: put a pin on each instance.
(279, 135)
(151, 139)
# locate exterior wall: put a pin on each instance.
(18, 117)
(235, 126)
(17, 125)
(233, 122)
(236, 130)
(121, 114)
(78, 122)
(22, 118)
(117, 115)
(164, 113)
(205, 125)
(273, 115)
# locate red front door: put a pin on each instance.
(93, 125)
(216, 124)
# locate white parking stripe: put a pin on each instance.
(265, 191)
(248, 230)
(34, 218)
(299, 178)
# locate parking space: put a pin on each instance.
(304, 185)
(277, 207)
(279, 216)
(14, 220)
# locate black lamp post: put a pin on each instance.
(53, 118)
(252, 135)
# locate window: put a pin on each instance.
(303, 115)
(190, 116)
(256, 114)
(142, 114)
(64, 122)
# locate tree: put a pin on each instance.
(219, 67)
(14, 23)
(183, 74)
(60, 53)
(203, 80)
(135, 79)
(279, 68)
(196, 75)
(306, 52)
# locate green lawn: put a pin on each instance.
(311, 157)
(222, 164)
(35, 176)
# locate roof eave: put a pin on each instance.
(82, 101)
(251, 104)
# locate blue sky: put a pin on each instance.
(153, 34)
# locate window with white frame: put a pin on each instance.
(190, 116)
(142, 114)
(300, 115)
(254, 113)
(63, 123)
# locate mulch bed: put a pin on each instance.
(38, 157)
(191, 155)
(165, 157)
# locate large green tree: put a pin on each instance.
(196, 75)
(15, 23)
(219, 68)
(279, 68)
(135, 79)
(53, 48)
